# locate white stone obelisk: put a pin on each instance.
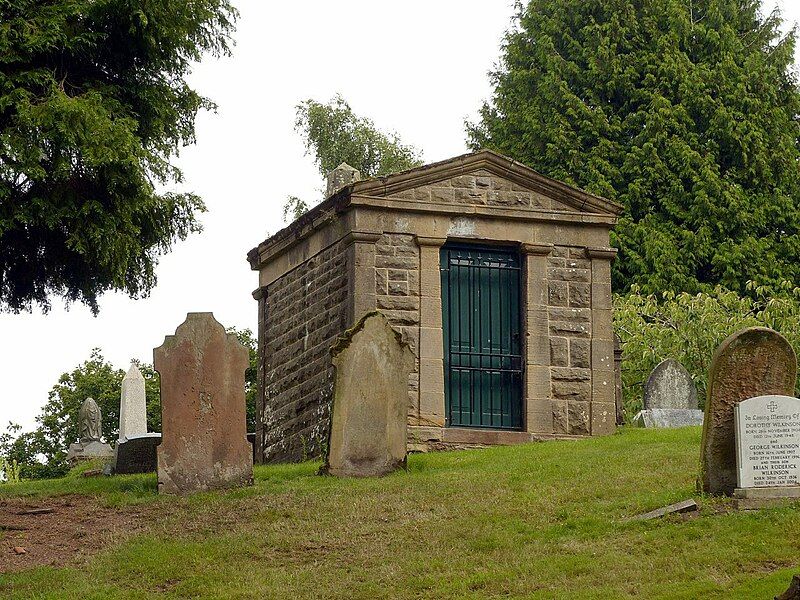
(132, 405)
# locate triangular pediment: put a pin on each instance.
(485, 178)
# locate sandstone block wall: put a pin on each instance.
(305, 311)
(570, 323)
(397, 296)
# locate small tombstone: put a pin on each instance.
(137, 454)
(368, 431)
(90, 422)
(670, 386)
(768, 447)
(753, 362)
(204, 434)
(670, 398)
(132, 405)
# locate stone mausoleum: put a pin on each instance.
(498, 277)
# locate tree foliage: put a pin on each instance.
(94, 105)
(688, 113)
(334, 134)
(690, 327)
(42, 453)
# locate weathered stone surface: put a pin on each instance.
(341, 176)
(793, 593)
(668, 417)
(137, 454)
(132, 405)
(753, 362)
(90, 421)
(670, 386)
(683, 506)
(768, 442)
(370, 406)
(204, 437)
(89, 451)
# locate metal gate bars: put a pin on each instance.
(482, 341)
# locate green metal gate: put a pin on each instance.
(482, 347)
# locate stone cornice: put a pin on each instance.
(601, 253)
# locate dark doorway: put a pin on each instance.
(482, 341)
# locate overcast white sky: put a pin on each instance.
(416, 67)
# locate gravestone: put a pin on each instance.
(768, 447)
(670, 398)
(670, 386)
(137, 454)
(132, 405)
(753, 362)
(368, 430)
(90, 425)
(204, 435)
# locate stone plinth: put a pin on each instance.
(752, 362)
(137, 454)
(204, 436)
(93, 450)
(668, 418)
(370, 406)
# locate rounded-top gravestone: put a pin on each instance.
(753, 362)
(670, 386)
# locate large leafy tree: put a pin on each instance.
(94, 105)
(687, 113)
(333, 134)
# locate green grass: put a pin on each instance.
(535, 521)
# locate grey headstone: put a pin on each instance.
(670, 386)
(137, 454)
(768, 442)
(668, 418)
(132, 405)
(368, 431)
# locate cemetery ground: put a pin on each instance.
(536, 521)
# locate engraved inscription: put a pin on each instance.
(768, 441)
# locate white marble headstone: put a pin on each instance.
(768, 441)
(133, 405)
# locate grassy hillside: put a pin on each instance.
(535, 521)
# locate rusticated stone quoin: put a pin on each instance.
(204, 433)
(753, 362)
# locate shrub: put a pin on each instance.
(689, 328)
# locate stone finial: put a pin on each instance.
(90, 421)
(132, 405)
(341, 176)
(204, 429)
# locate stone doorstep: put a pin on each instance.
(419, 435)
